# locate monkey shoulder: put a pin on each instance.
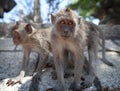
(53, 35)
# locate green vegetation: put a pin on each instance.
(86, 8)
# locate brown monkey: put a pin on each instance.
(100, 32)
(31, 39)
(72, 34)
(67, 36)
(94, 34)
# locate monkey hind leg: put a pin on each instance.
(36, 65)
(88, 73)
(96, 83)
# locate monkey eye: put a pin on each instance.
(70, 23)
(62, 22)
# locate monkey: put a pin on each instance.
(72, 34)
(92, 26)
(66, 36)
(31, 39)
(93, 50)
(96, 81)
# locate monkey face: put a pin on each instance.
(21, 33)
(65, 27)
(16, 38)
(65, 22)
(16, 34)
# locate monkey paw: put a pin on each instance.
(14, 81)
(87, 82)
(36, 77)
(75, 87)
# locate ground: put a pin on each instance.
(11, 61)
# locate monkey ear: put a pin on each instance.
(15, 32)
(15, 26)
(79, 19)
(67, 9)
(28, 28)
(53, 18)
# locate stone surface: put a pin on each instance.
(11, 61)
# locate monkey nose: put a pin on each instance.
(65, 31)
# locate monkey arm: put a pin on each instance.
(25, 63)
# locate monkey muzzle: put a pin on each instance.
(66, 34)
(66, 31)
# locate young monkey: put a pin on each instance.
(31, 39)
(70, 33)
(66, 36)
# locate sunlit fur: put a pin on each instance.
(35, 40)
(31, 39)
(74, 41)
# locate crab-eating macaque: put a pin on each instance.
(31, 39)
(72, 34)
(97, 29)
(94, 35)
(67, 36)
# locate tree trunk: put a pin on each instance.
(37, 13)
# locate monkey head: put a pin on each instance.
(21, 33)
(65, 22)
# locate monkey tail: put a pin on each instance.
(107, 62)
(104, 50)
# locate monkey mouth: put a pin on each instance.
(65, 36)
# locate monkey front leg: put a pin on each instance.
(34, 86)
(59, 66)
(79, 61)
(25, 63)
(41, 65)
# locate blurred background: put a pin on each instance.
(38, 11)
(97, 11)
